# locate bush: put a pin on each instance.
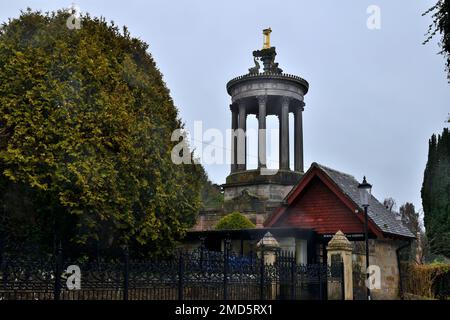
(234, 221)
(428, 280)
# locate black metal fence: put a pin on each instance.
(359, 282)
(193, 275)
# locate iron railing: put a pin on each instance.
(194, 275)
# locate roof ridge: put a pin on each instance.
(337, 171)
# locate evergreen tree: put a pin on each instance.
(211, 194)
(85, 126)
(436, 194)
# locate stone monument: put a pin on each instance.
(257, 192)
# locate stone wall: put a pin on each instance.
(382, 253)
(270, 192)
(207, 219)
(256, 202)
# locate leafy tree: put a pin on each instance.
(234, 221)
(441, 23)
(85, 128)
(436, 194)
(410, 217)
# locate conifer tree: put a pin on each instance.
(85, 138)
(436, 194)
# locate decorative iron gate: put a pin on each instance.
(305, 282)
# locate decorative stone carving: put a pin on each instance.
(255, 69)
(267, 56)
(246, 202)
(268, 242)
(339, 242)
(262, 99)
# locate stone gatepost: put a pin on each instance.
(339, 247)
(268, 247)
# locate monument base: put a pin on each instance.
(256, 195)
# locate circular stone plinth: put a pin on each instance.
(267, 83)
(282, 177)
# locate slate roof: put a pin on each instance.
(384, 219)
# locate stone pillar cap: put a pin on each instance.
(268, 242)
(339, 242)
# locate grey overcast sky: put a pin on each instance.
(376, 96)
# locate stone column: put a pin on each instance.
(242, 139)
(234, 126)
(298, 138)
(284, 133)
(268, 247)
(342, 248)
(262, 101)
(279, 139)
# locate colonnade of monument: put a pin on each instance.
(240, 111)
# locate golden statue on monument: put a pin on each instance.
(266, 33)
(266, 55)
